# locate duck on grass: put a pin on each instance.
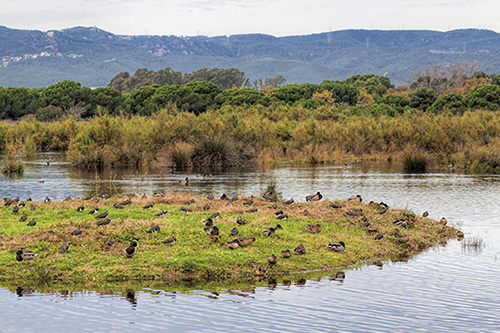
(201, 242)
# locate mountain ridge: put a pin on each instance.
(92, 56)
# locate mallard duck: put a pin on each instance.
(21, 204)
(106, 196)
(102, 215)
(186, 210)
(306, 212)
(314, 197)
(272, 259)
(266, 197)
(162, 213)
(279, 212)
(249, 202)
(289, 202)
(443, 221)
(241, 221)
(20, 255)
(23, 218)
(234, 232)
(206, 207)
(47, 200)
(268, 232)
(154, 228)
(118, 206)
(170, 240)
(104, 221)
(184, 182)
(208, 223)
(245, 241)
(234, 244)
(80, 208)
(313, 228)
(15, 209)
(148, 206)
(88, 197)
(425, 214)
(126, 202)
(210, 196)
(460, 235)
(259, 271)
(252, 210)
(402, 238)
(212, 238)
(356, 198)
(189, 202)
(130, 250)
(335, 205)
(299, 250)
(31, 223)
(286, 253)
(94, 210)
(282, 217)
(63, 248)
(224, 197)
(29, 199)
(379, 236)
(76, 232)
(213, 231)
(215, 215)
(337, 247)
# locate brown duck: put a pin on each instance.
(313, 228)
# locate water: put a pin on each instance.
(445, 289)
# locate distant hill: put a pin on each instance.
(93, 56)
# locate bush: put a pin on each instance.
(220, 152)
(415, 162)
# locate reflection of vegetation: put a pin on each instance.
(474, 243)
(414, 161)
(220, 151)
(193, 257)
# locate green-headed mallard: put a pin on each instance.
(299, 250)
(314, 197)
(130, 250)
(286, 253)
(337, 247)
(213, 231)
(272, 259)
(20, 255)
(313, 228)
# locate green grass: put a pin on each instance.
(193, 256)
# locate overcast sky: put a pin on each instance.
(226, 17)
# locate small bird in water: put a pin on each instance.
(337, 247)
(314, 197)
(63, 248)
(286, 253)
(130, 250)
(170, 240)
(31, 223)
(20, 255)
(272, 259)
(154, 228)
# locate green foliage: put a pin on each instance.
(451, 102)
(484, 97)
(422, 98)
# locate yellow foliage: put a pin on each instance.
(365, 99)
(325, 96)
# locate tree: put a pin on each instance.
(275, 82)
(422, 98)
(365, 99)
(453, 102)
(484, 97)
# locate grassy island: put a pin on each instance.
(370, 231)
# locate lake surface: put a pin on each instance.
(451, 288)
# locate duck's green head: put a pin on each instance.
(19, 252)
(133, 243)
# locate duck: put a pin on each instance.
(337, 246)
(259, 271)
(335, 205)
(249, 202)
(94, 210)
(184, 182)
(22, 204)
(314, 197)
(162, 213)
(29, 199)
(241, 221)
(299, 249)
(206, 207)
(15, 209)
(356, 198)
(20, 255)
(126, 202)
(189, 202)
(252, 210)
(224, 197)
(282, 217)
(210, 196)
(186, 210)
(313, 228)
(47, 200)
(63, 248)
(286, 253)
(213, 231)
(23, 218)
(234, 231)
(130, 250)
(154, 228)
(460, 235)
(272, 259)
(33, 208)
(425, 214)
(306, 212)
(80, 208)
(234, 198)
(102, 215)
(379, 236)
(279, 212)
(118, 206)
(289, 202)
(215, 215)
(31, 223)
(170, 240)
(233, 244)
(443, 221)
(268, 232)
(68, 198)
(148, 206)
(104, 221)
(208, 223)
(76, 232)
(245, 241)
(212, 238)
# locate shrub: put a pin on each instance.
(220, 152)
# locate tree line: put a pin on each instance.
(455, 88)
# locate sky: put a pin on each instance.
(227, 17)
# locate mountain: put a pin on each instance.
(92, 56)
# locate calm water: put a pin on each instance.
(445, 289)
